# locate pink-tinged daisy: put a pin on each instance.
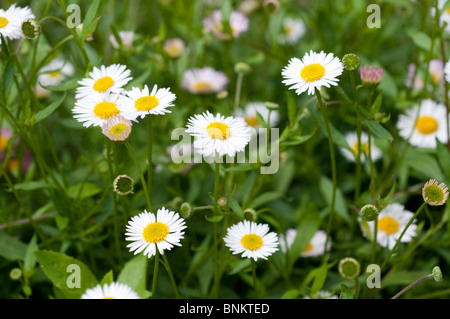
(214, 23)
(204, 80)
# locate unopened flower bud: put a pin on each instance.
(242, 67)
(15, 273)
(123, 185)
(349, 268)
(351, 62)
(371, 76)
(437, 274)
(252, 213)
(369, 212)
(271, 106)
(186, 210)
(271, 6)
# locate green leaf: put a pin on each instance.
(68, 85)
(11, 248)
(31, 185)
(56, 267)
(326, 187)
(88, 190)
(214, 219)
(107, 279)
(377, 129)
(30, 258)
(8, 75)
(291, 294)
(424, 164)
(264, 198)
(296, 140)
(134, 274)
(43, 114)
(421, 39)
(240, 266)
(346, 293)
(89, 18)
(377, 104)
(443, 156)
(236, 208)
(319, 279)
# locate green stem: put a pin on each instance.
(369, 155)
(358, 134)
(255, 281)
(155, 273)
(141, 175)
(374, 241)
(215, 231)
(171, 277)
(149, 158)
(401, 235)
(333, 168)
(412, 285)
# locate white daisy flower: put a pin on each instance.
(204, 80)
(117, 128)
(322, 294)
(106, 79)
(218, 134)
(139, 103)
(115, 290)
(251, 239)
(423, 126)
(11, 21)
(314, 248)
(96, 109)
(238, 24)
(126, 37)
(391, 223)
(149, 232)
(293, 30)
(352, 141)
(312, 72)
(174, 47)
(250, 114)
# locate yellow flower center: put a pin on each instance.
(13, 164)
(155, 232)
(312, 72)
(54, 74)
(252, 121)
(426, 125)
(218, 130)
(102, 84)
(203, 87)
(287, 30)
(118, 129)
(3, 22)
(308, 248)
(388, 224)
(251, 241)
(108, 298)
(146, 103)
(364, 146)
(3, 143)
(105, 110)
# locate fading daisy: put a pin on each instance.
(251, 239)
(139, 103)
(204, 80)
(218, 134)
(392, 220)
(96, 109)
(115, 290)
(52, 74)
(314, 248)
(436, 70)
(117, 128)
(423, 126)
(312, 72)
(250, 114)
(106, 79)
(149, 232)
(352, 141)
(435, 194)
(126, 37)
(11, 21)
(214, 23)
(293, 31)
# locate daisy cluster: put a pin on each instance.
(101, 100)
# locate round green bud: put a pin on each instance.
(242, 67)
(369, 212)
(123, 185)
(15, 273)
(271, 6)
(186, 210)
(351, 62)
(349, 268)
(271, 106)
(252, 213)
(437, 274)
